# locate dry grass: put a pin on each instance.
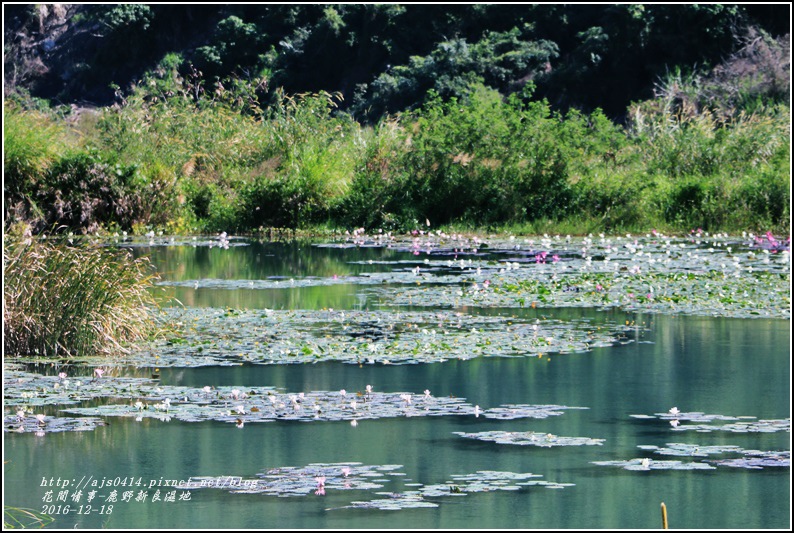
(62, 300)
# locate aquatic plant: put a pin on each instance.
(645, 464)
(530, 438)
(40, 424)
(63, 299)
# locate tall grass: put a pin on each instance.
(187, 159)
(62, 300)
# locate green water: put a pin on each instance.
(714, 365)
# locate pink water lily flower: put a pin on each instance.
(62, 375)
(98, 372)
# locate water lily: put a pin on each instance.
(240, 410)
(235, 394)
(98, 372)
(62, 375)
(40, 418)
(674, 411)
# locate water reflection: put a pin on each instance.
(725, 366)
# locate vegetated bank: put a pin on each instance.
(180, 156)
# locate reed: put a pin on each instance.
(62, 299)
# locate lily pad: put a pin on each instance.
(459, 485)
(652, 464)
(760, 426)
(265, 404)
(691, 450)
(218, 337)
(23, 388)
(395, 501)
(530, 438)
(30, 424)
(516, 411)
(298, 481)
(758, 460)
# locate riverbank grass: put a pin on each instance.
(62, 299)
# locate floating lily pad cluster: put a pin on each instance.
(701, 274)
(652, 464)
(31, 389)
(319, 478)
(695, 416)
(718, 275)
(459, 485)
(201, 337)
(758, 460)
(739, 424)
(265, 405)
(691, 450)
(759, 426)
(514, 411)
(760, 294)
(394, 501)
(530, 438)
(29, 423)
(301, 481)
(752, 459)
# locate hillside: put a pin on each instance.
(381, 58)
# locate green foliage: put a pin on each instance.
(235, 45)
(500, 59)
(32, 142)
(178, 155)
(313, 156)
(85, 190)
(65, 299)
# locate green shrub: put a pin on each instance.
(33, 141)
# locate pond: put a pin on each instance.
(428, 381)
